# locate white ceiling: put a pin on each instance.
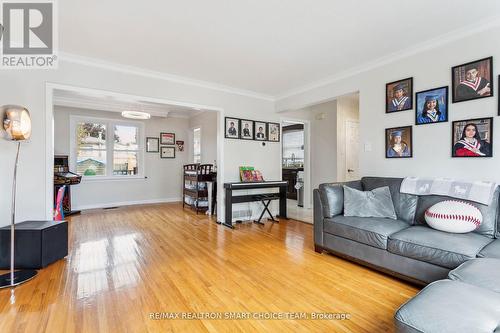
(266, 46)
(108, 102)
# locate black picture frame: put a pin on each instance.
(157, 145)
(235, 121)
(456, 71)
(242, 132)
(164, 149)
(278, 126)
(387, 139)
(170, 142)
(454, 140)
(258, 124)
(389, 86)
(446, 104)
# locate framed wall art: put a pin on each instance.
(232, 128)
(274, 130)
(472, 80)
(398, 142)
(260, 130)
(167, 152)
(472, 138)
(246, 127)
(167, 138)
(399, 95)
(152, 145)
(431, 106)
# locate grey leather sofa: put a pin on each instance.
(406, 247)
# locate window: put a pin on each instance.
(197, 145)
(106, 148)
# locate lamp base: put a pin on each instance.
(19, 277)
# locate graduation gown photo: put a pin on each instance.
(469, 90)
(466, 149)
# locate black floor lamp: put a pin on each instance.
(17, 126)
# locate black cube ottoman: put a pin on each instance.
(37, 244)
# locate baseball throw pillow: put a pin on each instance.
(454, 216)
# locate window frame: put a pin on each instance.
(194, 130)
(110, 149)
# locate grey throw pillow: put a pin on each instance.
(374, 203)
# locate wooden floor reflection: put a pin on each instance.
(128, 263)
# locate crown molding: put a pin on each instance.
(93, 62)
(435, 42)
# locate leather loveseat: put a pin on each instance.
(405, 247)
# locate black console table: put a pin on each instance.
(230, 199)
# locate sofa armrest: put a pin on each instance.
(318, 219)
(332, 196)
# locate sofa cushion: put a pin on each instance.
(372, 231)
(450, 306)
(491, 250)
(436, 247)
(405, 205)
(488, 225)
(374, 203)
(332, 197)
(481, 272)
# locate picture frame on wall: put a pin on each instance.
(260, 131)
(399, 142)
(152, 145)
(399, 95)
(167, 152)
(431, 106)
(472, 80)
(231, 128)
(246, 127)
(167, 138)
(274, 132)
(472, 138)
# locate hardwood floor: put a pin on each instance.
(129, 264)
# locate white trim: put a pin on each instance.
(50, 87)
(432, 43)
(99, 63)
(307, 156)
(127, 203)
(110, 123)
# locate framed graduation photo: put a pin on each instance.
(398, 142)
(472, 80)
(472, 138)
(232, 128)
(398, 95)
(432, 106)
(260, 130)
(246, 129)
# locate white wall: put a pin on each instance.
(207, 121)
(323, 144)
(431, 143)
(164, 176)
(347, 110)
(28, 87)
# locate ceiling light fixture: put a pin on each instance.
(136, 115)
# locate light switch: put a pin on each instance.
(368, 146)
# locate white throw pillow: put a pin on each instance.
(454, 216)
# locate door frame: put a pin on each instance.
(307, 156)
(50, 88)
(346, 121)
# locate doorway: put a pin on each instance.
(142, 185)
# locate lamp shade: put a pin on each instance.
(16, 122)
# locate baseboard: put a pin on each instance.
(126, 203)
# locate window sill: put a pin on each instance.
(111, 179)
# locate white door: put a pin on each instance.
(351, 150)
